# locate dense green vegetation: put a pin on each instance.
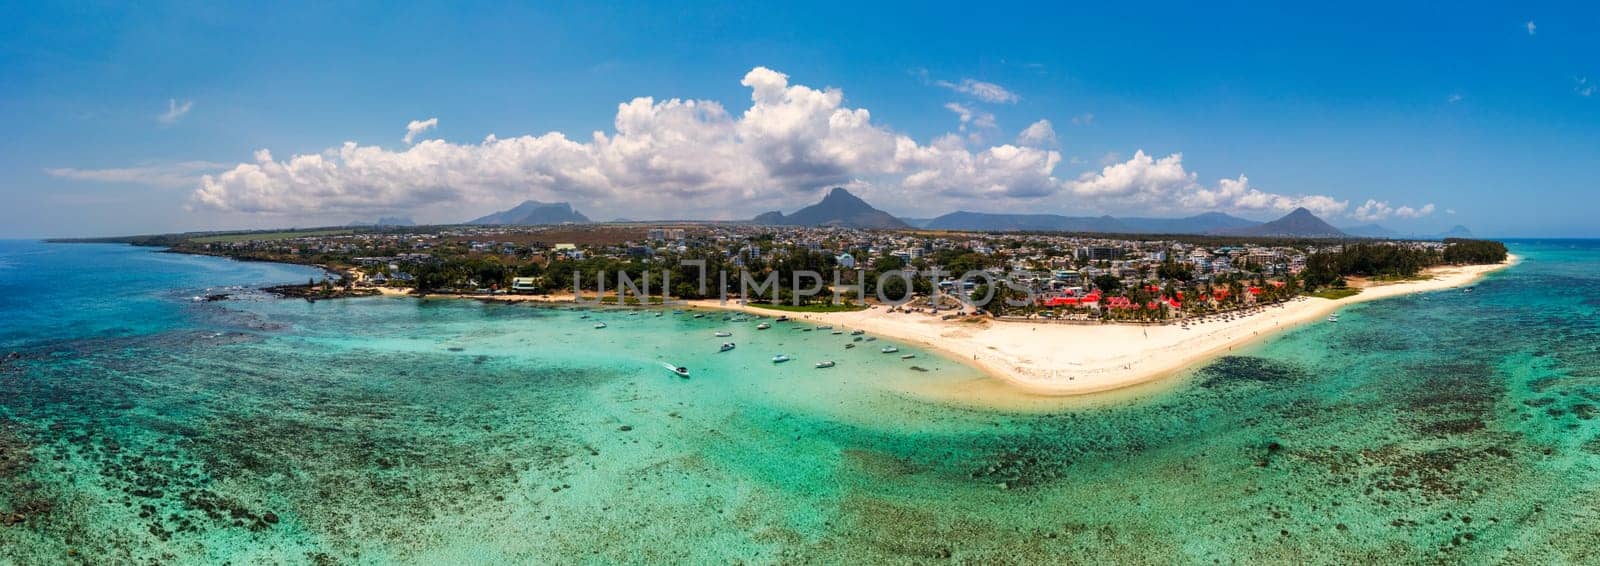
(1392, 262)
(1461, 251)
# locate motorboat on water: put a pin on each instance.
(837, 332)
(908, 356)
(699, 315)
(780, 358)
(783, 318)
(599, 325)
(1333, 318)
(723, 334)
(679, 371)
(849, 346)
(888, 349)
(857, 332)
(825, 364)
(726, 346)
(825, 327)
(763, 326)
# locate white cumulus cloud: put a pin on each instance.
(1038, 134)
(417, 127)
(1164, 184)
(970, 116)
(1378, 210)
(683, 158)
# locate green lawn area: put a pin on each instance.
(1335, 294)
(245, 236)
(814, 307)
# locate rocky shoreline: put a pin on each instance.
(319, 292)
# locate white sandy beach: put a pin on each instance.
(1067, 359)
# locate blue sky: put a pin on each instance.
(116, 114)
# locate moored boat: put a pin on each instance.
(763, 326)
(888, 349)
(780, 358)
(723, 334)
(825, 364)
(599, 325)
(726, 346)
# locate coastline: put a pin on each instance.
(1060, 360)
(1056, 360)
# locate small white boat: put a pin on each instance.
(1333, 318)
(584, 316)
(780, 358)
(699, 315)
(726, 346)
(599, 325)
(838, 332)
(889, 349)
(783, 318)
(826, 364)
(679, 371)
(723, 334)
(857, 332)
(763, 326)
(908, 356)
(825, 327)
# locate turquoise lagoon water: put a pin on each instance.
(141, 426)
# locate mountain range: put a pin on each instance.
(838, 208)
(1207, 223)
(841, 209)
(532, 212)
(1378, 231)
(1299, 223)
